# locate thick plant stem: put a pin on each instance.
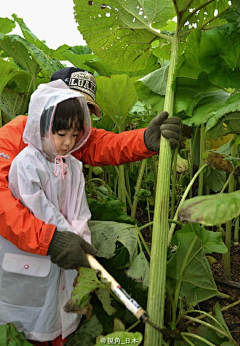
(202, 149)
(226, 257)
(181, 202)
(158, 263)
(137, 188)
(122, 193)
(175, 157)
(236, 230)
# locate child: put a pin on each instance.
(50, 183)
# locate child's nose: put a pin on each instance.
(67, 141)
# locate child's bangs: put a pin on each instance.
(68, 115)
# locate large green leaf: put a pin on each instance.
(10, 71)
(105, 234)
(139, 270)
(213, 51)
(236, 4)
(15, 47)
(220, 60)
(148, 97)
(6, 25)
(228, 123)
(211, 210)
(77, 55)
(204, 51)
(214, 178)
(108, 208)
(86, 282)
(11, 104)
(230, 109)
(28, 56)
(188, 64)
(211, 241)
(156, 81)
(196, 99)
(119, 32)
(202, 13)
(116, 97)
(197, 282)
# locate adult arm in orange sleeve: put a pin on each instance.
(18, 224)
(107, 148)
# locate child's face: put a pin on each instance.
(64, 140)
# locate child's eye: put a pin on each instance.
(75, 134)
(61, 134)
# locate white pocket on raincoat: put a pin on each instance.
(24, 280)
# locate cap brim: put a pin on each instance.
(92, 105)
(94, 108)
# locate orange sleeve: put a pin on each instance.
(18, 224)
(107, 148)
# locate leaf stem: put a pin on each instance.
(205, 342)
(103, 182)
(137, 188)
(182, 200)
(223, 332)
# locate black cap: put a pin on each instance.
(82, 81)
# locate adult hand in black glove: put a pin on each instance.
(162, 125)
(68, 250)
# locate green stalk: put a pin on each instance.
(128, 188)
(192, 157)
(182, 200)
(173, 199)
(149, 217)
(122, 188)
(137, 188)
(226, 257)
(153, 164)
(198, 337)
(158, 263)
(210, 326)
(139, 234)
(187, 340)
(116, 180)
(236, 230)
(202, 149)
(227, 182)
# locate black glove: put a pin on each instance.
(169, 127)
(68, 250)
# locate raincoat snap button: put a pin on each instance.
(26, 266)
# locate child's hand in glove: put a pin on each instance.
(68, 250)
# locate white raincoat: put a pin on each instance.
(33, 290)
